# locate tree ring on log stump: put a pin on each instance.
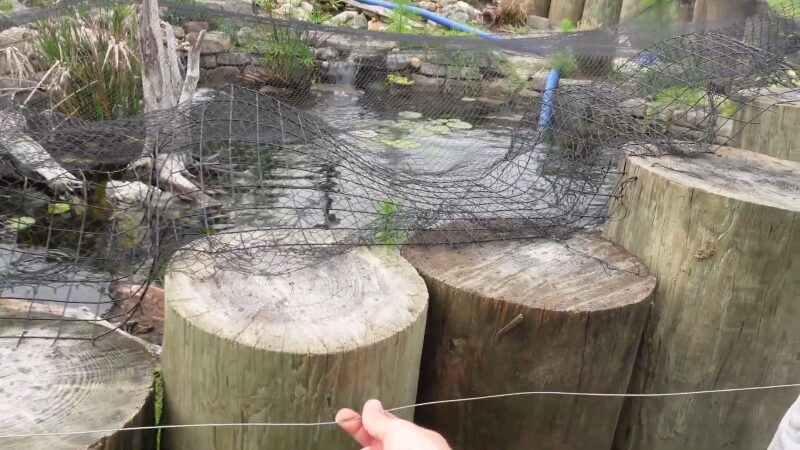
(71, 384)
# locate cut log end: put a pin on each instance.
(583, 274)
(768, 125)
(733, 173)
(52, 385)
(336, 305)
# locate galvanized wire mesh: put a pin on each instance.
(338, 138)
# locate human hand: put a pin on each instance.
(377, 429)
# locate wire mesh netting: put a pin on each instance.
(306, 140)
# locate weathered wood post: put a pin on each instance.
(73, 384)
(289, 348)
(631, 7)
(768, 125)
(571, 10)
(537, 7)
(526, 316)
(601, 12)
(720, 231)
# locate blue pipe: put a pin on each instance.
(444, 21)
(547, 100)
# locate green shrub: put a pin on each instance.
(318, 16)
(390, 230)
(564, 62)
(399, 21)
(566, 26)
(288, 53)
(6, 5)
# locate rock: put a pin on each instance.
(274, 90)
(213, 42)
(416, 62)
(463, 7)
(421, 81)
(463, 72)
(293, 3)
(400, 60)
(178, 32)
(430, 6)
(459, 16)
(375, 24)
(432, 70)
(256, 74)
(791, 74)
(208, 61)
(307, 7)
(540, 23)
(233, 59)
(326, 53)
(21, 38)
(360, 22)
(342, 18)
(244, 35)
(196, 27)
(221, 76)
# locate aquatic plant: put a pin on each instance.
(566, 26)
(94, 69)
(398, 80)
(389, 231)
(288, 53)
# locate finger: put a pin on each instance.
(349, 421)
(375, 420)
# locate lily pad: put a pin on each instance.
(459, 124)
(439, 121)
(423, 131)
(365, 134)
(57, 208)
(409, 115)
(401, 143)
(440, 129)
(19, 223)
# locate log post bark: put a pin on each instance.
(720, 231)
(630, 7)
(537, 7)
(527, 316)
(289, 348)
(768, 125)
(70, 384)
(598, 13)
(571, 10)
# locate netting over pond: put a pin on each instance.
(305, 140)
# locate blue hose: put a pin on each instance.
(444, 21)
(547, 100)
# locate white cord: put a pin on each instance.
(399, 408)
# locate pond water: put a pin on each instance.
(73, 255)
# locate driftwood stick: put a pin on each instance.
(172, 60)
(192, 70)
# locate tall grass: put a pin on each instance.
(94, 69)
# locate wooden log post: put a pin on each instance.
(631, 7)
(537, 7)
(52, 385)
(597, 13)
(768, 125)
(526, 316)
(720, 231)
(571, 10)
(288, 348)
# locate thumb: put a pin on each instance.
(375, 420)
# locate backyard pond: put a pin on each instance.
(54, 251)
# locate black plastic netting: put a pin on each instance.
(305, 140)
